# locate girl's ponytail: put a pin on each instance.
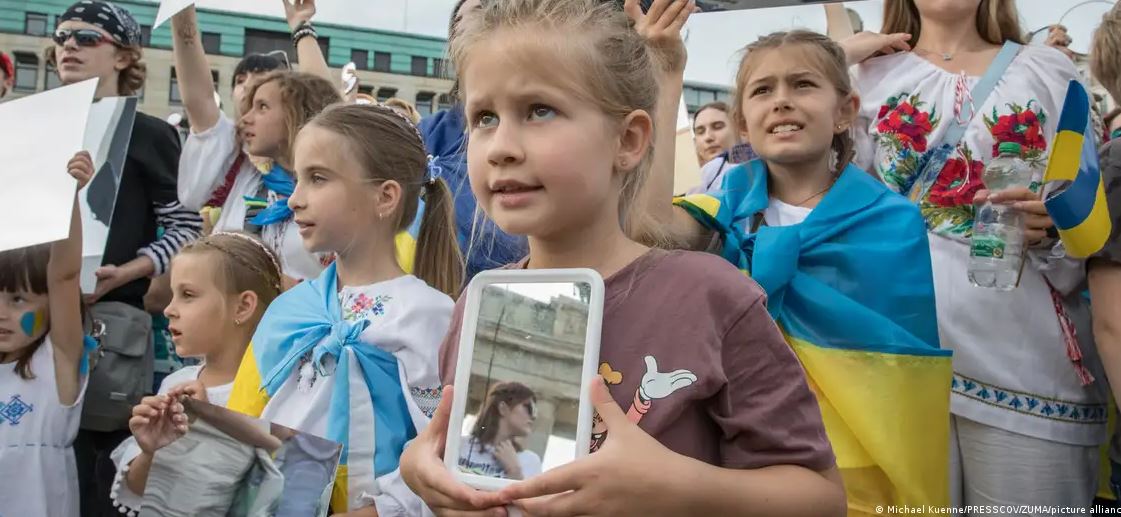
(438, 259)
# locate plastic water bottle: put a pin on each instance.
(996, 254)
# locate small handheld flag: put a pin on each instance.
(1080, 211)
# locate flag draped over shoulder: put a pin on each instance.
(1080, 211)
(368, 412)
(852, 289)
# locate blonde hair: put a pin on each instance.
(303, 96)
(388, 147)
(410, 111)
(997, 20)
(829, 60)
(616, 71)
(130, 80)
(1105, 53)
(244, 264)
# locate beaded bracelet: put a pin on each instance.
(302, 31)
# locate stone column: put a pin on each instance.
(543, 426)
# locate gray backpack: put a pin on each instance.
(121, 367)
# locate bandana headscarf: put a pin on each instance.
(118, 22)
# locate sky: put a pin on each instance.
(713, 38)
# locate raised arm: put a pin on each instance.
(64, 292)
(837, 22)
(312, 61)
(661, 26)
(193, 71)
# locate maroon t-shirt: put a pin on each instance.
(675, 317)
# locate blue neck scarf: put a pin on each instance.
(280, 181)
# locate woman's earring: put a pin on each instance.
(237, 322)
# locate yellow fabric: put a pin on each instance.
(705, 202)
(406, 251)
(247, 396)
(338, 493)
(902, 465)
(1066, 157)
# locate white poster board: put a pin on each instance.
(169, 8)
(108, 132)
(41, 133)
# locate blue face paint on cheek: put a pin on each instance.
(31, 322)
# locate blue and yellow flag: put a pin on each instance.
(406, 241)
(367, 395)
(1080, 211)
(852, 289)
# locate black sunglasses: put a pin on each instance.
(281, 56)
(84, 37)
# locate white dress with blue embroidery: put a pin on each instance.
(1011, 368)
(408, 319)
(38, 473)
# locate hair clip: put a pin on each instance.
(433, 170)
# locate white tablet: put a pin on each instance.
(528, 352)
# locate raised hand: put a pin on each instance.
(657, 385)
(157, 422)
(661, 26)
(298, 12)
(864, 45)
(80, 168)
(507, 456)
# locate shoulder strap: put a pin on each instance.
(981, 91)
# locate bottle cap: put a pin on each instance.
(1010, 148)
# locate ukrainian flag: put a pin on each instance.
(249, 396)
(1080, 211)
(852, 289)
(368, 394)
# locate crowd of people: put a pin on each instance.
(300, 257)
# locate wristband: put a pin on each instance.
(304, 30)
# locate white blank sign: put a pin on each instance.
(169, 8)
(41, 133)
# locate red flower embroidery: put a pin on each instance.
(909, 124)
(1023, 126)
(957, 184)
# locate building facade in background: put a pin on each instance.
(390, 64)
